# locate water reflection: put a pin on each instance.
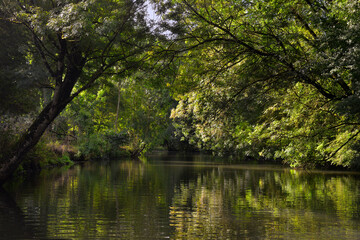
(183, 200)
(11, 215)
(267, 205)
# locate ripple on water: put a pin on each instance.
(182, 200)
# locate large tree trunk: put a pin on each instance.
(32, 136)
(28, 141)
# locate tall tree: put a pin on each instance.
(77, 43)
(272, 78)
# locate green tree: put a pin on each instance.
(145, 109)
(269, 78)
(78, 43)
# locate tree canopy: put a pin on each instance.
(72, 45)
(276, 79)
(267, 79)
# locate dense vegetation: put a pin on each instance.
(273, 79)
(267, 79)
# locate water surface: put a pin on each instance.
(182, 197)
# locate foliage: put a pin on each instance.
(126, 114)
(72, 45)
(94, 146)
(18, 92)
(41, 156)
(144, 112)
(270, 78)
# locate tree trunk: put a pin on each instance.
(117, 109)
(28, 141)
(32, 136)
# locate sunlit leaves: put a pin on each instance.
(274, 79)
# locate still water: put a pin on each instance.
(181, 197)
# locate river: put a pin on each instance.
(181, 196)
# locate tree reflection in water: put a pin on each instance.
(184, 200)
(267, 204)
(12, 221)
